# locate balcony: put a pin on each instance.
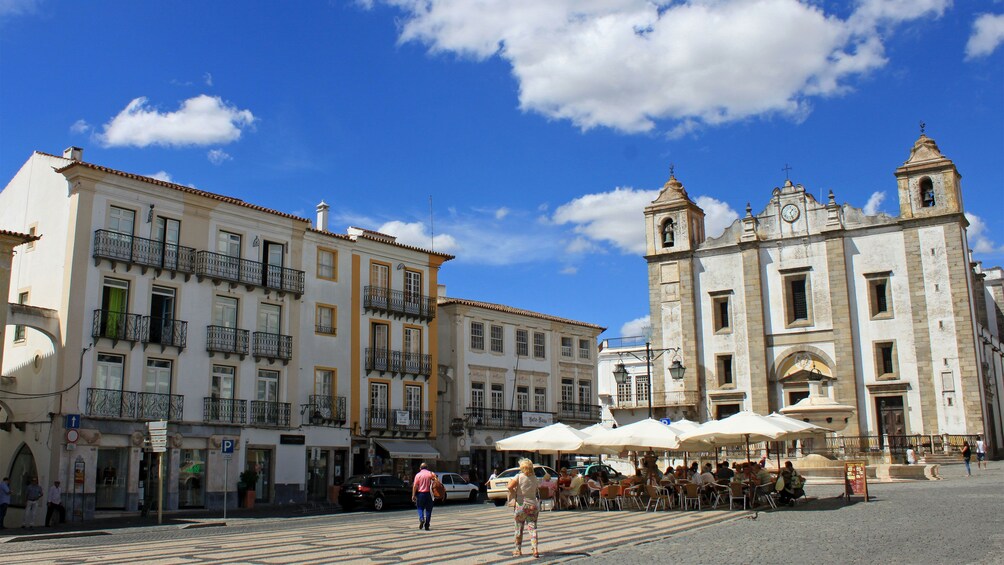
(324, 410)
(398, 303)
(578, 412)
(221, 339)
(388, 361)
(164, 332)
(266, 413)
(411, 421)
(671, 398)
(156, 406)
(131, 250)
(234, 270)
(273, 346)
(110, 403)
(376, 419)
(224, 410)
(494, 418)
(116, 326)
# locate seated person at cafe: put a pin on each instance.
(707, 477)
(694, 470)
(594, 484)
(681, 473)
(797, 480)
(550, 484)
(724, 473)
(763, 477)
(785, 494)
(572, 490)
(564, 479)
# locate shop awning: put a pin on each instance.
(408, 449)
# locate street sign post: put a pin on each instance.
(158, 445)
(227, 449)
(72, 421)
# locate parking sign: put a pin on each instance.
(227, 447)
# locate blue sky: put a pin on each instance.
(539, 129)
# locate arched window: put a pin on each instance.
(926, 192)
(668, 237)
(21, 471)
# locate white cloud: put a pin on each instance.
(874, 201)
(207, 78)
(10, 8)
(978, 239)
(616, 217)
(580, 245)
(718, 215)
(218, 156)
(162, 175)
(202, 120)
(569, 270)
(637, 327)
(501, 213)
(417, 234)
(80, 126)
(988, 34)
(628, 64)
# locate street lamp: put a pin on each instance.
(676, 368)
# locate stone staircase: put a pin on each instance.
(942, 458)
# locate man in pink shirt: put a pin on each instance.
(421, 495)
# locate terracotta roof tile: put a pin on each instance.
(26, 238)
(511, 310)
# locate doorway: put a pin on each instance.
(891, 419)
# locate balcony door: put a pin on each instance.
(378, 406)
(269, 318)
(380, 344)
(225, 312)
(114, 307)
(167, 232)
(413, 351)
(228, 245)
(162, 315)
(109, 373)
(273, 254)
(412, 292)
(158, 376)
(413, 404)
(222, 392)
(379, 285)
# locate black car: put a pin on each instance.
(374, 491)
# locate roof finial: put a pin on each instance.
(672, 168)
(922, 126)
(786, 169)
(749, 210)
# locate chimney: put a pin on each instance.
(441, 290)
(322, 216)
(74, 153)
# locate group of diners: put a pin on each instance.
(570, 489)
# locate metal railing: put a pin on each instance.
(128, 248)
(163, 331)
(376, 419)
(273, 346)
(221, 339)
(581, 412)
(157, 406)
(635, 342)
(322, 329)
(120, 326)
(410, 304)
(923, 443)
(110, 403)
(385, 360)
(224, 410)
(497, 418)
(326, 410)
(248, 272)
(266, 413)
(411, 421)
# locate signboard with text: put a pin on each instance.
(537, 419)
(856, 479)
(402, 417)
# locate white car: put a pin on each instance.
(457, 488)
(498, 490)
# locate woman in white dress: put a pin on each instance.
(523, 489)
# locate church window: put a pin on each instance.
(926, 192)
(879, 296)
(726, 410)
(885, 359)
(721, 312)
(668, 235)
(797, 299)
(725, 377)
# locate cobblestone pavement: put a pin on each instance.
(956, 520)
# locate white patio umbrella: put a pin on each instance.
(549, 440)
(739, 428)
(796, 429)
(645, 435)
(685, 425)
(594, 429)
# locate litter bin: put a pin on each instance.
(333, 491)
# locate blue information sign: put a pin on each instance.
(227, 446)
(666, 421)
(72, 421)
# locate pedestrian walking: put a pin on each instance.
(33, 499)
(523, 491)
(966, 455)
(55, 504)
(4, 499)
(421, 495)
(981, 453)
(911, 455)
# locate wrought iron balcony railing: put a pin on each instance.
(129, 249)
(266, 413)
(376, 419)
(659, 399)
(273, 346)
(224, 410)
(385, 360)
(579, 412)
(117, 326)
(157, 406)
(247, 272)
(399, 303)
(496, 418)
(221, 339)
(111, 403)
(323, 410)
(411, 421)
(165, 332)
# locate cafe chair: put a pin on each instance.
(609, 496)
(736, 493)
(691, 496)
(658, 496)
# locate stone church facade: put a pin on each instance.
(888, 311)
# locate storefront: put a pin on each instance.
(325, 467)
(260, 461)
(110, 483)
(192, 478)
(401, 458)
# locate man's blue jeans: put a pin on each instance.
(424, 504)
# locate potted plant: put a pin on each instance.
(246, 487)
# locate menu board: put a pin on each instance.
(855, 479)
